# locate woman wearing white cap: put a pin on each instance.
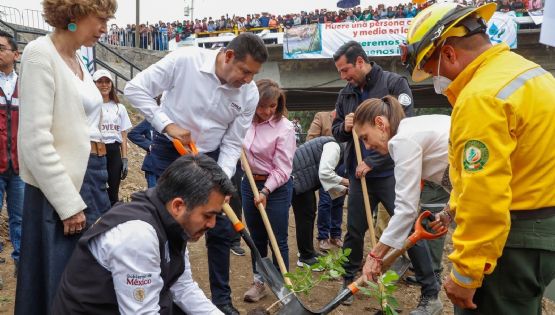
(114, 125)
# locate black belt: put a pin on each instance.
(541, 213)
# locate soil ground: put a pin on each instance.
(240, 272)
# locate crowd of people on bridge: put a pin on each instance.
(63, 153)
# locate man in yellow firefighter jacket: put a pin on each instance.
(502, 159)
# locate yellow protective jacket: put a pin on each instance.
(501, 152)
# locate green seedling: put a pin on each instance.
(330, 265)
(384, 297)
(303, 280)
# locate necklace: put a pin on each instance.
(73, 65)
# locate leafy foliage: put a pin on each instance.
(303, 280)
(385, 297)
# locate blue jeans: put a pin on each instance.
(12, 186)
(330, 216)
(151, 179)
(277, 208)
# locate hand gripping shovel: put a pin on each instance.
(271, 275)
(295, 307)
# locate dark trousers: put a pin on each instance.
(381, 190)
(330, 216)
(218, 239)
(235, 201)
(114, 166)
(434, 198)
(45, 250)
(277, 208)
(517, 284)
(304, 210)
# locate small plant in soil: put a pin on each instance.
(384, 296)
(330, 265)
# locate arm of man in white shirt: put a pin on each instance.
(331, 182)
(148, 84)
(130, 251)
(188, 296)
(230, 148)
(407, 156)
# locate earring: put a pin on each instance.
(72, 27)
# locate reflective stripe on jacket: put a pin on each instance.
(501, 153)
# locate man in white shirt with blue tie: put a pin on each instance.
(209, 98)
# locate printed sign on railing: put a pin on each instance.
(378, 38)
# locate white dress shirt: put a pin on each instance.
(419, 150)
(7, 83)
(130, 251)
(331, 182)
(218, 115)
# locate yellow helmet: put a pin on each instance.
(436, 23)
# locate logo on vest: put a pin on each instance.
(139, 294)
(139, 279)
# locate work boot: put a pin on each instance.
(337, 242)
(309, 262)
(351, 298)
(236, 249)
(228, 309)
(428, 305)
(324, 245)
(255, 293)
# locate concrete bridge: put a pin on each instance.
(313, 84)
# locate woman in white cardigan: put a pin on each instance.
(61, 157)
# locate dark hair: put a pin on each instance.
(387, 106)
(10, 39)
(248, 44)
(270, 90)
(351, 50)
(113, 93)
(193, 178)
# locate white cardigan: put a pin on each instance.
(53, 139)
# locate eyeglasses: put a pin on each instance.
(5, 48)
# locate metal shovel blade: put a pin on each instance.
(269, 272)
(400, 266)
(274, 279)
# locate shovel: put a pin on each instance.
(267, 269)
(264, 215)
(295, 307)
(273, 278)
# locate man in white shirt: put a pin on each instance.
(209, 98)
(134, 259)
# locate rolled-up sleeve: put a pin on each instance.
(230, 149)
(331, 182)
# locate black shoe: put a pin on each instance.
(228, 309)
(348, 301)
(311, 262)
(412, 280)
(237, 250)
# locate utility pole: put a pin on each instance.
(137, 21)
